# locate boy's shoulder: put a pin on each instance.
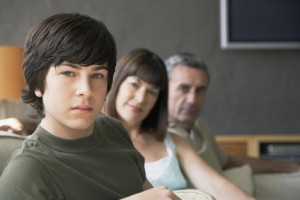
(112, 125)
(105, 118)
(110, 122)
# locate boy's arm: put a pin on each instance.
(23, 178)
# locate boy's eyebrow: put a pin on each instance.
(75, 66)
(99, 67)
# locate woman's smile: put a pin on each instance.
(134, 108)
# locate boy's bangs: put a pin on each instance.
(93, 52)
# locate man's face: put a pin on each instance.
(187, 88)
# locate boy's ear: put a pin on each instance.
(38, 93)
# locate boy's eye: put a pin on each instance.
(97, 76)
(68, 73)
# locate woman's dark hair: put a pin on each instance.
(150, 68)
(65, 37)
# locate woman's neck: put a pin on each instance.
(146, 143)
(133, 129)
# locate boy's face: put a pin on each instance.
(73, 97)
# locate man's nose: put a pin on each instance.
(191, 97)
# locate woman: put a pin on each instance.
(139, 99)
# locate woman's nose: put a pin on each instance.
(140, 95)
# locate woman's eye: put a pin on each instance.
(68, 73)
(134, 84)
(153, 92)
(97, 76)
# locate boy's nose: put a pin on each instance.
(83, 87)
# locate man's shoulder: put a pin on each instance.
(198, 125)
(173, 128)
(200, 129)
(200, 122)
(201, 126)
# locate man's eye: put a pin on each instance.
(200, 91)
(97, 76)
(184, 89)
(67, 73)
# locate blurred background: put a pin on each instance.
(251, 91)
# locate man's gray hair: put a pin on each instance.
(187, 59)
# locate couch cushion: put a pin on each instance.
(241, 176)
(277, 186)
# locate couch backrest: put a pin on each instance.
(8, 144)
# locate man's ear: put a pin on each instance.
(38, 93)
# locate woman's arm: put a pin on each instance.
(202, 176)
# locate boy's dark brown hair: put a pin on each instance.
(65, 37)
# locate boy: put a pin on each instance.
(69, 62)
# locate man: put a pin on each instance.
(69, 62)
(188, 82)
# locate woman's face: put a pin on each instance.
(135, 100)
